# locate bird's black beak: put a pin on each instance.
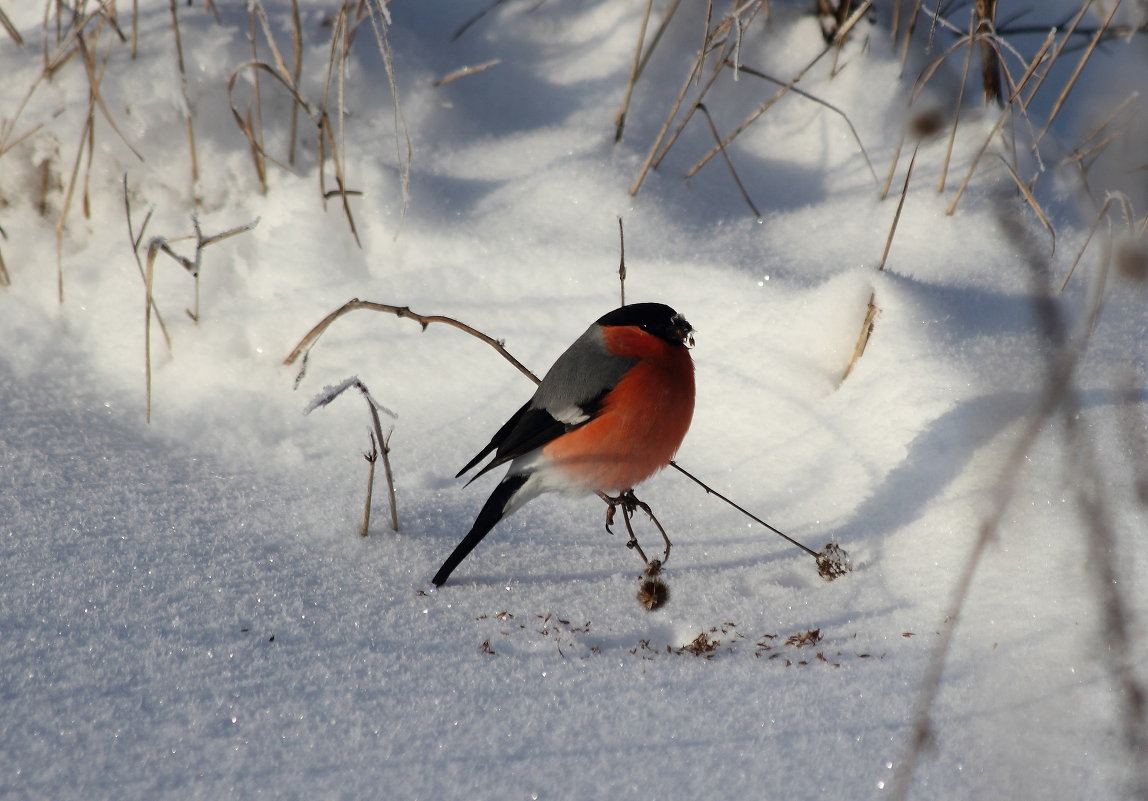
(683, 331)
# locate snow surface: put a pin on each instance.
(188, 610)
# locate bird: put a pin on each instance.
(611, 411)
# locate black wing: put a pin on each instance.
(569, 396)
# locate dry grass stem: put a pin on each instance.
(188, 112)
(380, 447)
(1071, 82)
(10, 28)
(756, 114)
(424, 320)
(61, 221)
(622, 261)
(729, 162)
(380, 20)
(985, 14)
(1057, 388)
(820, 102)
(1031, 72)
(620, 115)
(467, 25)
(464, 72)
(867, 326)
(900, 206)
(135, 239)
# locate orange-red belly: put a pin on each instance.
(639, 428)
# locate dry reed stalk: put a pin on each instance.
(255, 118)
(188, 115)
(1071, 82)
(404, 151)
(729, 162)
(867, 326)
(380, 447)
(1030, 199)
(1029, 73)
(61, 220)
(296, 75)
(622, 261)
(985, 15)
(910, 29)
(135, 239)
(620, 114)
(149, 302)
(756, 114)
(464, 72)
(424, 320)
(1057, 390)
(1101, 216)
(716, 40)
(972, 38)
(10, 28)
(900, 207)
(820, 102)
(652, 153)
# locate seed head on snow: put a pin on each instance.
(653, 594)
(833, 562)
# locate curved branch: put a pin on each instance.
(424, 320)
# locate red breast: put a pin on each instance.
(642, 421)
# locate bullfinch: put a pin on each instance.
(610, 413)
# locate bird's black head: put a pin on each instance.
(655, 318)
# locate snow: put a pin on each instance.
(188, 608)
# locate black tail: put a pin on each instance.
(489, 516)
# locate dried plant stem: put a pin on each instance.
(838, 39)
(135, 239)
(188, 116)
(149, 303)
(62, 219)
(957, 104)
(424, 320)
(464, 72)
(985, 14)
(741, 509)
(1057, 388)
(820, 102)
(380, 447)
(867, 326)
(900, 207)
(728, 162)
(13, 32)
(1028, 75)
(622, 261)
(371, 456)
(620, 115)
(1071, 82)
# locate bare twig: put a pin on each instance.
(620, 115)
(401, 311)
(1058, 385)
(728, 162)
(188, 114)
(900, 206)
(380, 446)
(464, 72)
(135, 239)
(622, 261)
(13, 32)
(867, 326)
(1071, 82)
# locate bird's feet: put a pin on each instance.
(630, 503)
